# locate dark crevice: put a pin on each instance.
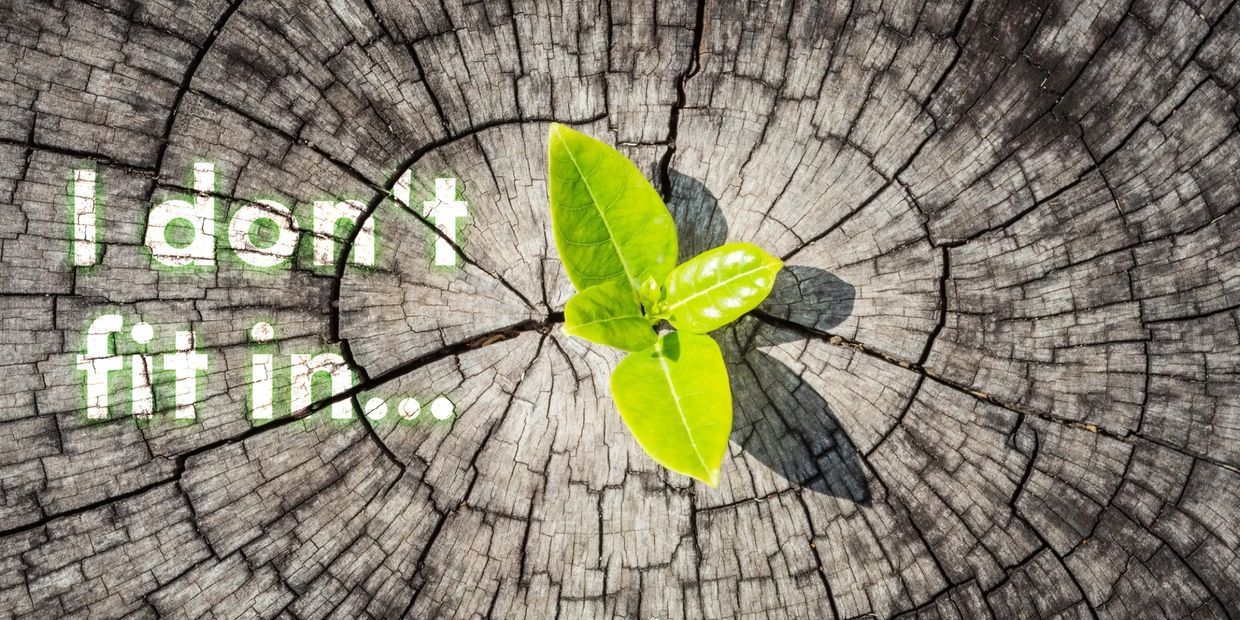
(31, 144)
(837, 340)
(108, 501)
(476, 342)
(673, 130)
(190, 71)
(899, 422)
(942, 319)
(458, 348)
(819, 565)
(894, 178)
(417, 63)
(448, 512)
(1085, 425)
(418, 154)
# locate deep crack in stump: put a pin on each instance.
(997, 378)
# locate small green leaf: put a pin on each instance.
(675, 399)
(650, 295)
(718, 286)
(608, 314)
(609, 223)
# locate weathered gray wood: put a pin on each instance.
(997, 379)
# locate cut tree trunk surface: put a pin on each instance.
(997, 378)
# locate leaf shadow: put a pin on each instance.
(778, 418)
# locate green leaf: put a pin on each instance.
(675, 399)
(608, 314)
(718, 286)
(609, 223)
(649, 295)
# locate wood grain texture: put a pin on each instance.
(997, 378)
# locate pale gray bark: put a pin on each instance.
(997, 379)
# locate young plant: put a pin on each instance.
(617, 241)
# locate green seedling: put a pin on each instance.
(617, 241)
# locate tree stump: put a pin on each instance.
(996, 379)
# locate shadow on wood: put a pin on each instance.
(778, 418)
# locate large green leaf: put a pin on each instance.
(718, 286)
(608, 314)
(675, 398)
(609, 223)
